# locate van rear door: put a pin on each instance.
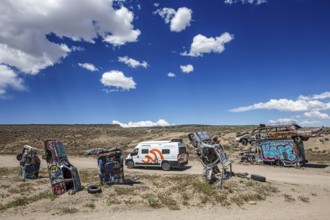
(183, 154)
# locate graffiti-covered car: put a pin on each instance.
(29, 163)
(279, 132)
(63, 175)
(111, 167)
(211, 153)
(281, 152)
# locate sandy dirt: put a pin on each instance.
(311, 182)
(303, 193)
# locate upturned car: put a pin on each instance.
(111, 167)
(29, 163)
(62, 174)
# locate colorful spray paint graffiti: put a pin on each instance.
(111, 168)
(63, 175)
(281, 151)
(29, 163)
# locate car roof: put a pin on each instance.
(278, 126)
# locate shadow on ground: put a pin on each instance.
(317, 166)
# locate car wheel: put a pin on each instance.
(258, 178)
(130, 164)
(245, 160)
(244, 142)
(19, 157)
(92, 189)
(297, 139)
(166, 166)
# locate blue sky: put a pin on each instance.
(144, 63)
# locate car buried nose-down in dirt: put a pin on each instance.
(210, 154)
(29, 163)
(63, 175)
(111, 167)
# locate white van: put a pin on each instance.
(164, 154)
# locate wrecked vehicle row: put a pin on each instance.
(271, 144)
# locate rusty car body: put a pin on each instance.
(279, 132)
(111, 167)
(29, 163)
(62, 174)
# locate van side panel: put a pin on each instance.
(154, 153)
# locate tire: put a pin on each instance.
(297, 139)
(258, 178)
(93, 189)
(244, 141)
(19, 157)
(130, 164)
(166, 166)
(245, 160)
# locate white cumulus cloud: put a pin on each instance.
(88, 66)
(132, 62)
(179, 20)
(26, 24)
(324, 95)
(9, 79)
(255, 2)
(187, 68)
(316, 114)
(311, 106)
(202, 44)
(282, 120)
(160, 122)
(118, 80)
(171, 75)
(285, 105)
(308, 122)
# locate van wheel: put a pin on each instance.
(166, 166)
(130, 164)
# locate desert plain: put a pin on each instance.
(288, 193)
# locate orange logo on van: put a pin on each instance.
(155, 159)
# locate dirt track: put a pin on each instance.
(312, 181)
(311, 174)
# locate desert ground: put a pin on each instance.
(288, 193)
